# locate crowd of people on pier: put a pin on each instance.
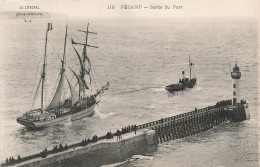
(12, 161)
(243, 102)
(84, 142)
(44, 153)
(59, 148)
(129, 129)
(119, 133)
(109, 135)
(56, 148)
(223, 103)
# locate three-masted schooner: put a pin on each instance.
(78, 105)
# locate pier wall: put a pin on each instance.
(102, 152)
(194, 122)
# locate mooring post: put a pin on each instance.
(199, 123)
(218, 117)
(173, 131)
(207, 120)
(204, 122)
(182, 128)
(171, 134)
(178, 130)
(166, 132)
(192, 125)
(196, 124)
(211, 119)
(189, 126)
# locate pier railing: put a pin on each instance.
(176, 117)
(196, 121)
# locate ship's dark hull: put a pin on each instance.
(181, 86)
(175, 87)
(191, 83)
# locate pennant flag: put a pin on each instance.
(49, 26)
(72, 41)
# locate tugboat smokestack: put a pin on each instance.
(183, 75)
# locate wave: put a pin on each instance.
(156, 88)
(115, 164)
(68, 122)
(142, 157)
(133, 158)
(159, 89)
(103, 115)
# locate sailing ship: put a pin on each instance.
(184, 82)
(78, 105)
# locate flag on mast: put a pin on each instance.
(49, 26)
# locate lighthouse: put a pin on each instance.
(237, 102)
(236, 74)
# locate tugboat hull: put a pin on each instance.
(191, 83)
(182, 86)
(59, 120)
(175, 87)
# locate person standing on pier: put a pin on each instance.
(117, 135)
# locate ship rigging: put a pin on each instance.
(78, 105)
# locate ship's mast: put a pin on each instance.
(58, 94)
(84, 52)
(44, 63)
(64, 52)
(190, 67)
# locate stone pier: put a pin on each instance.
(102, 152)
(140, 140)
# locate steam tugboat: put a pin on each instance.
(184, 82)
(78, 105)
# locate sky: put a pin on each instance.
(98, 8)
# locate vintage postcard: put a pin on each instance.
(129, 83)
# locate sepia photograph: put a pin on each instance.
(130, 83)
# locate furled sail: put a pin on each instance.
(80, 61)
(81, 86)
(89, 64)
(88, 67)
(83, 69)
(74, 97)
(90, 79)
(57, 97)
